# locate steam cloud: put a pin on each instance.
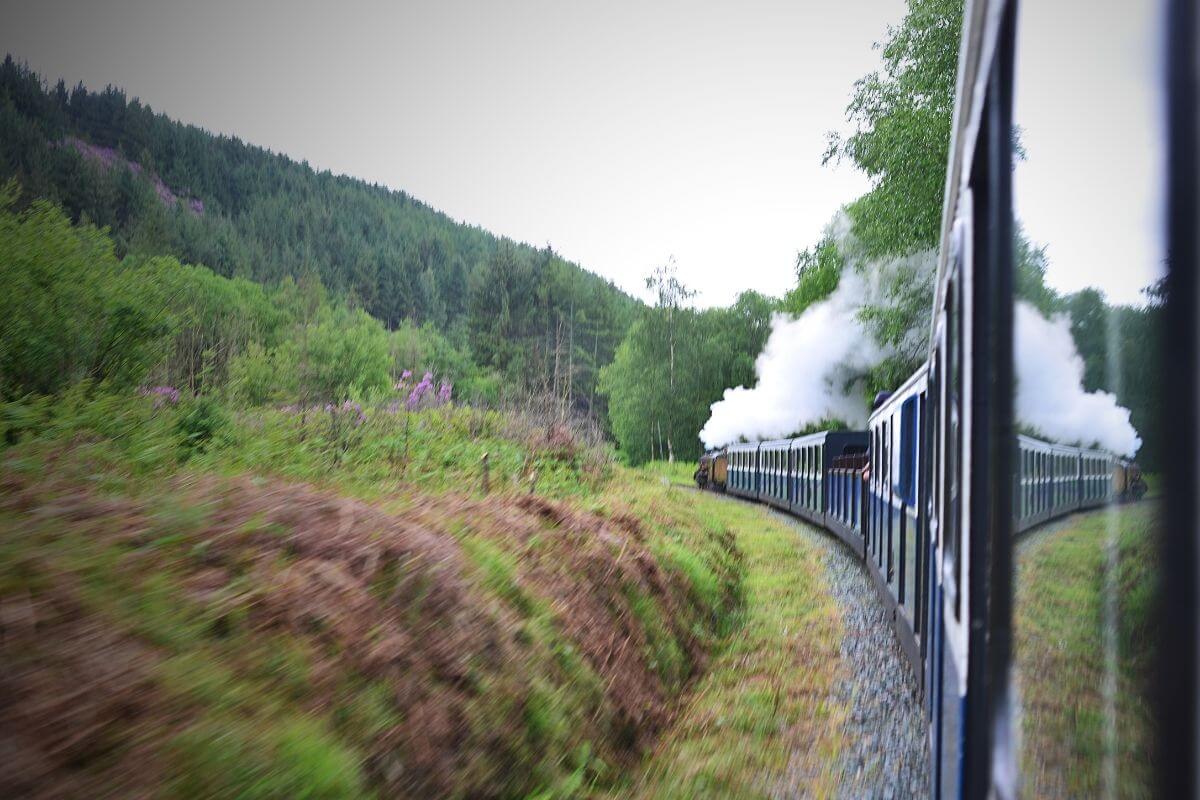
(802, 373)
(1050, 395)
(811, 368)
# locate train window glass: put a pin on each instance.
(906, 487)
(953, 446)
(1089, 380)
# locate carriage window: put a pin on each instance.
(906, 485)
(951, 512)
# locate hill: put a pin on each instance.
(165, 188)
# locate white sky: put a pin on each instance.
(619, 132)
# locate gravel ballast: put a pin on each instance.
(885, 752)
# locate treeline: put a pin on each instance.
(74, 314)
(164, 188)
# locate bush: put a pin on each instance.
(67, 312)
(344, 353)
(199, 422)
(258, 376)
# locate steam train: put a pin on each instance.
(869, 488)
(876, 491)
(932, 495)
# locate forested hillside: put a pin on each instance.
(543, 324)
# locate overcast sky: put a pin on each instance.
(622, 133)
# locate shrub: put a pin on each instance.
(199, 422)
(67, 312)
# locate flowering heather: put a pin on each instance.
(109, 158)
(422, 395)
(419, 391)
(163, 395)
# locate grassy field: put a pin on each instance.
(1072, 747)
(760, 716)
(197, 602)
(680, 472)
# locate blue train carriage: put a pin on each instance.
(897, 544)
(742, 475)
(1064, 487)
(1035, 482)
(774, 473)
(810, 484)
(848, 508)
(1054, 479)
(1096, 469)
(971, 426)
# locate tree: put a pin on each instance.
(670, 295)
(713, 349)
(902, 117)
(818, 271)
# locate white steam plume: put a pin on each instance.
(1050, 395)
(812, 366)
(802, 372)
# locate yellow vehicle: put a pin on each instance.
(712, 471)
(1127, 482)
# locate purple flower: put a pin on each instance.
(444, 392)
(419, 391)
(349, 407)
(402, 384)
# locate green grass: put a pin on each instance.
(677, 472)
(224, 757)
(761, 709)
(1060, 654)
(435, 450)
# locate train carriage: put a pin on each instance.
(1095, 478)
(847, 510)
(812, 458)
(742, 470)
(897, 541)
(1034, 482)
(774, 473)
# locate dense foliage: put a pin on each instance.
(73, 313)
(675, 362)
(902, 116)
(164, 188)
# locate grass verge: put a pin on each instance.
(759, 723)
